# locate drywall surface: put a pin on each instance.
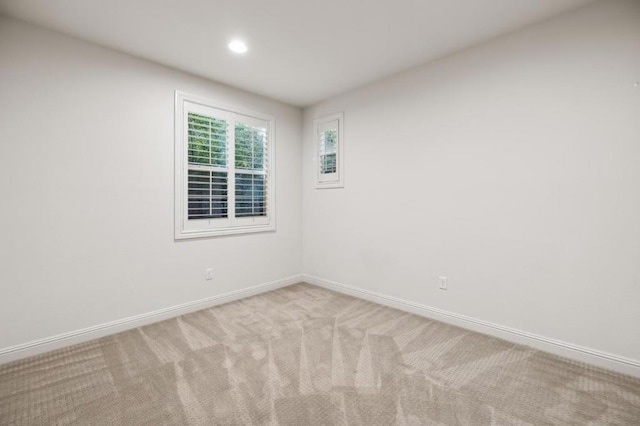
(86, 182)
(512, 168)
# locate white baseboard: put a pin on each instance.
(557, 347)
(65, 339)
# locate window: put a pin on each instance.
(329, 148)
(224, 170)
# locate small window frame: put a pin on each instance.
(185, 228)
(336, 179)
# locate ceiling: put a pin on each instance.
(300, 51)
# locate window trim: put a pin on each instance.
(338, 181)
(241, 225)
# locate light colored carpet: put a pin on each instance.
(303, 355)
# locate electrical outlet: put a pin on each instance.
(443, 283)
(208, 274)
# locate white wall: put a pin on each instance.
(86, 183)
(512, 168)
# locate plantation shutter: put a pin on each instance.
(328, 145)
(207, 176)
(251, 166)
(224, 180)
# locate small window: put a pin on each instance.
(224, 170)
(329, 149)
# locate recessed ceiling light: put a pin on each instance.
(237, 46)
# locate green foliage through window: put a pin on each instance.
(207, 140)
(250, 147)
(250, 153)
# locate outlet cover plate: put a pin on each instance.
(443, 283)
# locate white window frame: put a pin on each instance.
(198, 228)
(329, 180)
